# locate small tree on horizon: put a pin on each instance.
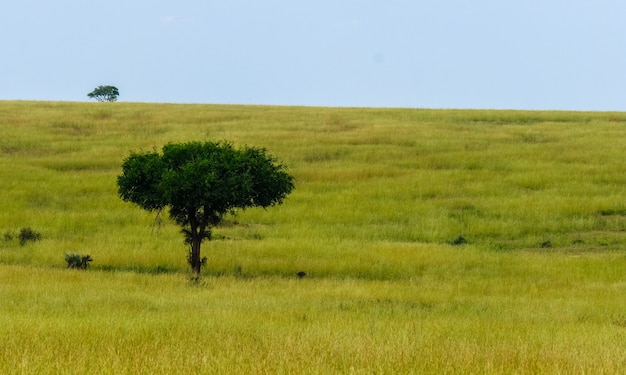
(200, 183)
(105, 93)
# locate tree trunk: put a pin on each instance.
(196, 262)
(196, 239)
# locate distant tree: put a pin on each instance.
(105, 93)
(200, 183)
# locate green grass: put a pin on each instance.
(381, 195)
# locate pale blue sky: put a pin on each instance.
(516, 54)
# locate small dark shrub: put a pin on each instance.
(27, 234)
(9, 236)
(460, 240)
(78, 261)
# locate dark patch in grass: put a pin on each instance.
(460, 240)
(620, 321)
(78, 166)
(151, 270)
(387, 304)
(320, 156)
(9, 235)
(239, 271)
(546, 244)
(613, 212)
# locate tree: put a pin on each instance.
(104, 93)
(201, 182)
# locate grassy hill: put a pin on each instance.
(435, 240)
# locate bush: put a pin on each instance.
(8, 236)
(27, 234)
(460, 240)
(78, 261)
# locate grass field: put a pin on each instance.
(436, 241)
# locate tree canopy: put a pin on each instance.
(201, 182)
(105, 93)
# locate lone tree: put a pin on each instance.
(200, 183)
(105, 93)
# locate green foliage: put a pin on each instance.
(78, 261)
(27, 234)
(104, 93)
(202, 182)
(24, 236)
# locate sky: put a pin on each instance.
(481, 54)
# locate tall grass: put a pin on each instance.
(382, 196)
(467, 312)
